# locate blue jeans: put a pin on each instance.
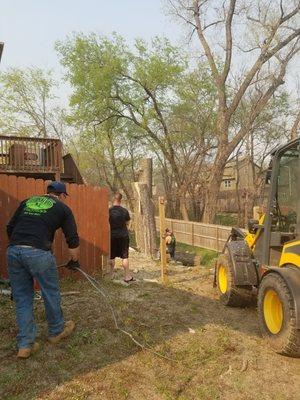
(24, 264)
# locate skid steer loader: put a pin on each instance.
(264, 263)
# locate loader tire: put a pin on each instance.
(277, 319)
(230, 294)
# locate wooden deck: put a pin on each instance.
(30, 155)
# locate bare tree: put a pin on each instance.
(27, 104)
(272, 34)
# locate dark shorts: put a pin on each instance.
(119, 247)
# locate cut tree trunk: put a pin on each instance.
(144, 217)
(145, 173)
(144, 221)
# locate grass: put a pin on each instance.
(98, 362)
(228, 219)
(207, 257)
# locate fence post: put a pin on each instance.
(217, 234)
(162, 227)
(193, 239)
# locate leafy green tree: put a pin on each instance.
(108, 156)
(152, 89)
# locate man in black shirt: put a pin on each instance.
(119, 245)
(31, 232)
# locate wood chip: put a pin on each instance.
(245, 365)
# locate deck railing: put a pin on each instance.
(30, 155)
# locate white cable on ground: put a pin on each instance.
(93, 282)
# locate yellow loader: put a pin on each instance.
(264, 263)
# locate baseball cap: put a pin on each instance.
(59, 187)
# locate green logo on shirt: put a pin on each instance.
(38, 205)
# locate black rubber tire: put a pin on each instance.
(235, 296)
(287, 340)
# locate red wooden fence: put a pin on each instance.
(89, 205)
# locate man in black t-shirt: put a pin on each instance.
(31, 232)
(119, 244)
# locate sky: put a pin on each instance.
(29, 28)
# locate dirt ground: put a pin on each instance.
(211, 352)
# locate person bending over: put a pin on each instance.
(31, 232)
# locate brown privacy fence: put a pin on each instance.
(89, 205)
(208, 236)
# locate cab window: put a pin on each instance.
(287, 191)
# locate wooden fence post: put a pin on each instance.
(162, 227)
(193, 239)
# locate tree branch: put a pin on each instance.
(205, 45)
(228, 27)
(265, 56)
(258, 106)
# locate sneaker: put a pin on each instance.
(68, 329)
(26, 352)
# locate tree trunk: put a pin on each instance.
(144, 216)
(145, 173)
(211, 202)
(213, 188)
(144, 221)
(183, 208)
(237, 191)
(117, 173)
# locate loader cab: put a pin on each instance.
(282, 219)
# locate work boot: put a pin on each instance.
(68, 329)
(26, 352)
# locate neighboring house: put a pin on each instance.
(238, 173)
(37, 158)
(237, 182)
